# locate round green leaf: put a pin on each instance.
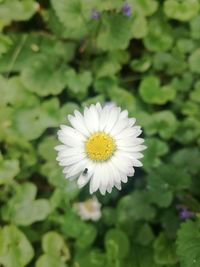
(15, 248)
(194, 61)
(53, 244)
(117, 244)
(151, 92)
(194, 27)
(115, 32)
(16, 10)
(47, 260)
(159, 37)
(44, 77)
(8, 170)
(164, 251)
(182, 10)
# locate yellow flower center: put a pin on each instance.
(100, 146)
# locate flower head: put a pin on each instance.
(95, 14)
(89, 209)
(184, 213)
(101, 146)
(126, 9)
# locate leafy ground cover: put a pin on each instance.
(59, 55)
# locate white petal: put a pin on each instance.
(137, 163)
(124, 178)
(104, 117)
(133, 148)
(71, 132)
(124, 114)
(113, 118)
(99, 108)
(104, 181)
(121, 164)
(84, 178)
(75, 169)
(95, 180)
(91, 118)
(109, 189)
(114, 172)
(132, 121)
(129, 132)
(67, 161)
(78, 123)
(70, 152)
(60, 147)
(130, 142)
(69, 141)
(118, 186)
(119, 126)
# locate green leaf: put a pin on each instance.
(142, 64)
(109, 64)
(23, 209)
(159, 191)
(194, 27)
(156, 149)
(163, 182)
(15, 94)
(53, 244)
(45, 77)
(144, 234)
(8, 170)
(16, 10)
(142, 256)
(159, 37)
(171, 63)
(145, 7)
(151, 92)
(188, 131)
(15, 248)
(135, 207)
(182, 10)
(67, 109)
(31, 122)
(47, 260)
(87, 237)
(27, 49)
(46, 148)
(195, 94)
(164, 250)
(114, 32)
(185, 45)
(72, 225)
(123, 98)
(92, 258)
(163, 122)
(194, 60)
(117, 244)
(187, 159)
(139, 26)
(5, 43)
(174, 177)
(188, 244)
(94, 100)
(78, 84)
(73, 16)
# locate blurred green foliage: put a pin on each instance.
(54, 58)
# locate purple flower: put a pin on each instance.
(95, 14)
(126, 9)
(184, 213)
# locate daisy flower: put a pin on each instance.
(101, 147)
(89, 209)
